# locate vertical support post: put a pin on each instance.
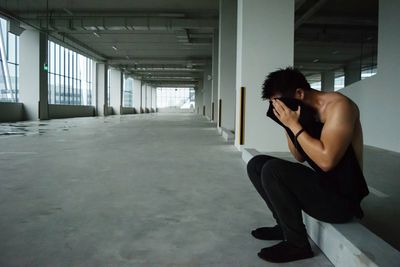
(242, 115)
(219, 112)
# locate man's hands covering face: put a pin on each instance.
(286, 116)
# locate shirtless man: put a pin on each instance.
(330, 141)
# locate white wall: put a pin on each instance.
(265, 41)
(378, 96)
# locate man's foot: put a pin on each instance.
(285, 252)
(268, 233)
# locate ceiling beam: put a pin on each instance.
(93, 24)
(310, 12)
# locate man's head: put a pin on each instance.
(287, 82)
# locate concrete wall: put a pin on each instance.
(265, 42)
(70, 111)
(128, 110)
(378, 96)
(10, 112)
(116, 91)
(175, 110)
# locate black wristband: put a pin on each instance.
(298, 133)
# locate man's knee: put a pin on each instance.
(255, 164)
(272, 171)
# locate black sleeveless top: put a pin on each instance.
(346, 178)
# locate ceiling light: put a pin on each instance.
(96, 34)
(316, 60)
(335, 52)
(114, 47)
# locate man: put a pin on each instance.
(324, 129)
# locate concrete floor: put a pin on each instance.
(134, 190)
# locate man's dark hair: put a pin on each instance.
(285, 82)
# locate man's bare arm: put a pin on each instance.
(294, 150)
(336, 136)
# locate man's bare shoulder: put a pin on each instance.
(339, 103)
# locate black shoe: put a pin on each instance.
(268, 233)
(285, 252)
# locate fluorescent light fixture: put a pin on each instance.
(114, 47)
(316, 60)
(96, 34)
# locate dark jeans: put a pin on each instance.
(288, 188)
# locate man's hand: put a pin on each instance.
(288, 117)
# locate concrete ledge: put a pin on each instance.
(11, 112)
(349, 244)
(227, 134)
(70, 111)
(128, 110)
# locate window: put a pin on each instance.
(9, 64)
(70, 76)
(315, 81)
(339, 79)
(128, 92)
(368, 72)
(183, 98)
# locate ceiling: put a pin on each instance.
(168, 42)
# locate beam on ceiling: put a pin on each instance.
(124, 23)
(310, 12)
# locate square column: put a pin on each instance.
(207, 87)
(137, 96)
(214, 93)
(328, 81)
(101, 89)
(33, 76)
(265, 43)
(116, 90)
(227, 63)
(352, 73)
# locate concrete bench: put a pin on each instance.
(349, 244)
(226, 134)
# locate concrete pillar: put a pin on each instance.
(137, 96)
(148, 97)
(227, 62)
(214, 89)
(154, 99)
(328, 81)
(143, 99)
(101, 89)
(116, 90)
(265, 42)
(198, 99)
(352, 73)
(33, 76)
(207, 87)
